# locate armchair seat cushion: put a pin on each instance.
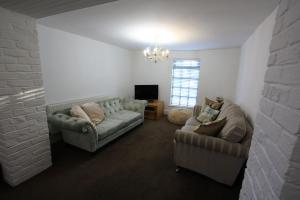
(188, 128)
(108, 127)
(126, 116)
(192, 122)
(211, 143)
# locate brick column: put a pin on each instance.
(273, 168)
(24, 137)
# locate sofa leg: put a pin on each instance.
(177, 170)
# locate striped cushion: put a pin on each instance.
(225, 105)
(196, 110)
(211, 143)
(235, 128)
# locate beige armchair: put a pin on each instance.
(214, 157)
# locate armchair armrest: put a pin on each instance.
(211, 143)
(63, 121)
(135, 105)
(196, 110)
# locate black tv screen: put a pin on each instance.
(146, 92)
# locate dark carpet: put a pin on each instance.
(138, 165)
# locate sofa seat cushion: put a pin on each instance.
(108, 127)
(126, 116)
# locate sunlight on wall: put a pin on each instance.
(3, 101)
(155, 33)
(31, 94)
(24, 96)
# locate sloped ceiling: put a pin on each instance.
(44, 8)
(175, 24)
(135, 24)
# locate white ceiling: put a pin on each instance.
(176, 24)
(44, 8)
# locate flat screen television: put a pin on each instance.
(146, 92)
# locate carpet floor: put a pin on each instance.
(138, 165)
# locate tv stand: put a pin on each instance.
(154, 110)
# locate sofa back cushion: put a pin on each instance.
(246, 141)
(235, 127)
(64, 107)
(226, 104)
(111, 106)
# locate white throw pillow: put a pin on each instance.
(94, 111)
(76, 111)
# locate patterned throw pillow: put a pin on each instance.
(211, 128)
(76, 111)
(213, 104)
(94, 111)
(208, 115)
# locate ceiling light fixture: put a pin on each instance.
(156, 53)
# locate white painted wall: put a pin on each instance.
(218, 72)
(254, 58)
(78, 67)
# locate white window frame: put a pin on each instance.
(172, 79)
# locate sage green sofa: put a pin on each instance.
(121, 115)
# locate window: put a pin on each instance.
(185, 79)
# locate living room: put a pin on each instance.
(116, 99)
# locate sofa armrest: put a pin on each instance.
(135, 105)
(211, 143)
(196, 110)
(63, 121)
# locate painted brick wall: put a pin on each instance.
(24, 137)
(273, 168)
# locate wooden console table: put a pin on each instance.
(154, 110)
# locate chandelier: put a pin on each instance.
(156, 53)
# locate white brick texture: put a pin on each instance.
(273, 167)
(24, 137)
